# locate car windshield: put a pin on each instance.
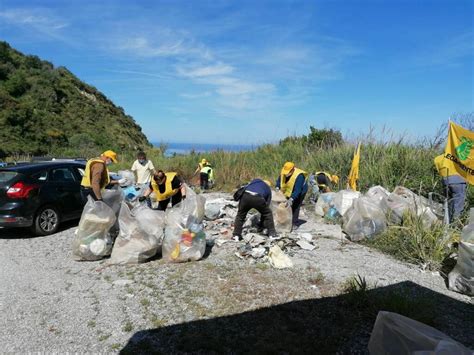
(7, 176)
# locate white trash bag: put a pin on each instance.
(461, 279)
(92, 240)
(141, 233)
(364, 219)
(183, 241)
(282, 215)
(128, 176)
(343, 199)
(324, 203)
(396, 334)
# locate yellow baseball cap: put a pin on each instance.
(110, 154)
(287, 167)
(203, 161)
(335, 179)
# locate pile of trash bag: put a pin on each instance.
(461, 278)
(140, 237)
(93, 240)
(365, 216)
(184, 238)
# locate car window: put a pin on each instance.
(61, 175)
(41, 176)
(7, 175)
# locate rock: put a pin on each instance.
(333, 231)
(258, 252)
(306, 236)
(122, 282)
(305, 245)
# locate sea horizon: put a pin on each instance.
(173, 148)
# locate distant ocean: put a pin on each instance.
(187, 148)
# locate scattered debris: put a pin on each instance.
(278, 259)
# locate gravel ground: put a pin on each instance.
(50, 303)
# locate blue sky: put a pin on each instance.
(247, 72)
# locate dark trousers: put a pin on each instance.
(247, 202)
(295, 207)
(204, 178)
(87, 191)
(175, 199)
(456, 200)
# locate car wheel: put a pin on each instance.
(46, 221)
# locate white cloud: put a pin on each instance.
(204, 71)
(39, 19)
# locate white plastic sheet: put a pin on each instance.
(128, 176)
(343, 199)
(396, 334)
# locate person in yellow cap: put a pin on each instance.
(96, 175)
(325, 181)
(206, 174)
(167, 187)
(294, 185)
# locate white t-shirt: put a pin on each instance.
(144, 172)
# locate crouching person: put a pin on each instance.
(167, 187)
(257, 195)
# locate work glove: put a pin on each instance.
(122, 181)
(277, 188)
(141, 198)
(289, 202)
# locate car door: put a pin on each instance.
(65, 186)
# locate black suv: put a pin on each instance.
(41, 195)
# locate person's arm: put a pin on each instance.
(298, 188)
(197, 170)
(277, 185)
(151, 167)
(97, 170)
(178, 183)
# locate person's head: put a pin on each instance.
(288, 169)
(204, 162)
(141, 156)
(159, 177)
(109, 157)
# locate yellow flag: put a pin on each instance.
(354, 173)
(458, 158)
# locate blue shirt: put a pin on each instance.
(300, 188)
(258, 186)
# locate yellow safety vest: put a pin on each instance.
(86, 179)
(169, 191)
(326, 174)
(287, 188)
(439, 163)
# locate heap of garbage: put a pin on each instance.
(367, 215)
(130, 232)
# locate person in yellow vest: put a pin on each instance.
(167, 187)
(206, 174)
(294, 185)
(325, 180)
(455, 187)
(96, 175)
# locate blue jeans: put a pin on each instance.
(456, 199)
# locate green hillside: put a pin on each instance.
(48, 110)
